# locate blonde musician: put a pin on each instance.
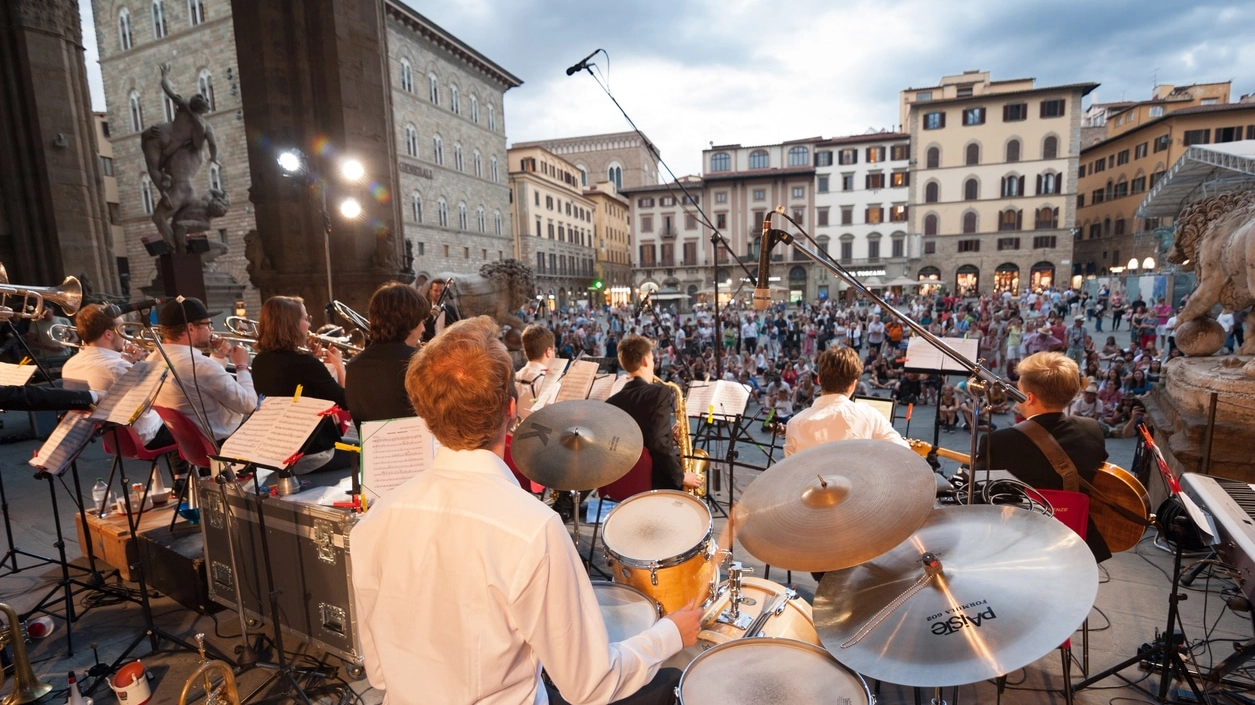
(282, 363)
(652, 406)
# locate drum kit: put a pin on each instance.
(913, 594)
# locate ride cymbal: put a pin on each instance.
(1008, 586)
(835, 505)
(576, 445)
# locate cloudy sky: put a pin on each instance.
(692, 72)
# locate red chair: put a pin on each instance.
(524, 482)
(194, 447)
(637, 480)
(131, 447)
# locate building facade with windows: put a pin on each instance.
(674, 257)
(612, 237)
(451, 146)
(993, 191)
(626, 159)
(113, 206)
(743, 185)
(554, 220)
(861, 212)
(1116, 173)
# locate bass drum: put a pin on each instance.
(770, 672)
(788, 617)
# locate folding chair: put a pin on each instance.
(637, 480)
(194, 447)
(524, 481)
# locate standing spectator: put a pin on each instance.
(1076, 341)
(875, 333)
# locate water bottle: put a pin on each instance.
(99, 491)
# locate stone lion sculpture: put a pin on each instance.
(499, 290)
(1216, 239)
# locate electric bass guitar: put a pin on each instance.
(1118, 487)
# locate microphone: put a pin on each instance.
(762, 294)
(583, 64)
(144, 305)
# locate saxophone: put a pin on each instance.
(692, 460)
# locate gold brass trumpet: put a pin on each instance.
(225, 694)
(26, 687)
(69, 296)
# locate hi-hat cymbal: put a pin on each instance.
(576, 445)
(835, 505)
(1010, 586)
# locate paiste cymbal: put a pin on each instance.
(835, 505)
(576, 445)
(1012, 586)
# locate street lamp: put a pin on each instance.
(294, 163)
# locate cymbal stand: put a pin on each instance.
(1165, 646)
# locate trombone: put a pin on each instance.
(351, 316)
(69, 296)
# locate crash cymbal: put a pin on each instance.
(1010, 586)
(835, 505)
(576, 445)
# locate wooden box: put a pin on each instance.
(111, 537)
(174, 564)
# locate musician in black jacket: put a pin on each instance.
(29, 398)
(1051, 381)
(446, 316)
(652, 406)
(374, 384)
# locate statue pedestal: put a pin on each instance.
(1179, 408)
(181, 274)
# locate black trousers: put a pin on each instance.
(659, 691)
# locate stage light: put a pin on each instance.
(291, 161)
(352, 170)
(350, 208)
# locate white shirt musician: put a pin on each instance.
(538, 345)
(834, 416)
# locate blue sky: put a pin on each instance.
(761, 71)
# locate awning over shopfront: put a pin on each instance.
(1204, 170)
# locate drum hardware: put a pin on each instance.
(27, 688)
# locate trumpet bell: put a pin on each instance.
(69, 296)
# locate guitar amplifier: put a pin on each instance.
(308, 559)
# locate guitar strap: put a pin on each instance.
(1062, 464)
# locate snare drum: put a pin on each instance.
(789, 616)
(660, 543)
(625, 610)
(770, 672)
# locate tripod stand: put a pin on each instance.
(1165, 647)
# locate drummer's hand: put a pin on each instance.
(688, 620)
(692, 480)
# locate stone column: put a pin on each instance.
(314, 76)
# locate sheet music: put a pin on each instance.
(132, 394)
(393, 451)
(12, 375)
(923, 355)
(578, 381)
(67, 440)
(548, 389)
(723, 399)
(605, 386)
(276, 431)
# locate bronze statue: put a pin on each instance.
(174, 154)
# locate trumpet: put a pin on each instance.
(69, 296)
(66, 335)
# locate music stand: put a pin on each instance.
(18, 375)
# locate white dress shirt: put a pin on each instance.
(225, 400)
(528, 381)
(465, 586)
(97, 368)
(835, 417)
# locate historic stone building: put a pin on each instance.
(626, 159)
(675, 261)
(1116, 172)
(612, 234)
(993, 191)
(554, 220)
(113, 206)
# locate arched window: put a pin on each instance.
(205, 84)
(1106, 227)
(479, 219)
(1013, 150)
(971, 190)
(407, 76)
(799, 156)
(930, 224)
(169, 106)
(1007, 278)
(433, 89)
(437, 146)
(196, 11)
(215, 177)
(146, 194)
(411, 140)
(159, 19)
(416, 206)
(137, 113)
(1119, 226)
(1049, 183)
(720, 161)
(497, 218)
(492, 118)
(931, 192)
(462, 216)
(969, 222)
(615, 175)
(583, 175)
(1047, 218)
(442, 211)
(967, 280)
(759, 159)
(1050, 147)
(474, 108)
(971, 155)
(933, 159)
(457, 157)
(494, 169)
(455, 99)
(478, 163)
(1012, 186)
(1010, 219)
(124, 29)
